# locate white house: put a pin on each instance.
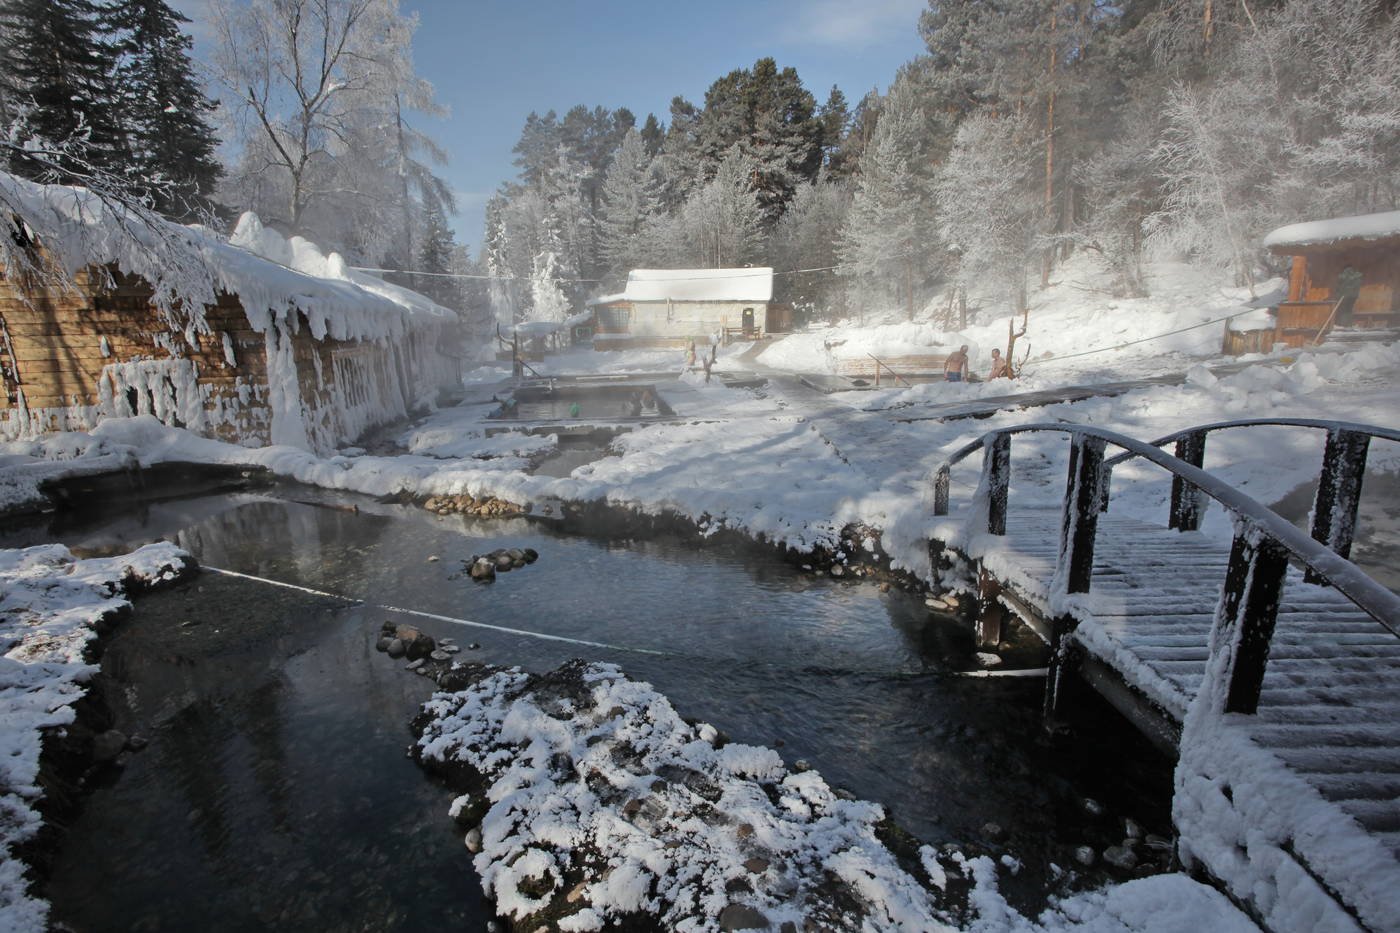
(670, 306)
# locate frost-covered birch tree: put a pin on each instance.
(721, 224)
(989, 213)
(805, 245)
(888, 243)
(318, 94)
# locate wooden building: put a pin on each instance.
(1345, 273)
(279, 356)
(670, 307)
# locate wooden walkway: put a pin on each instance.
(1280, 696)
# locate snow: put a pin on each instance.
(612, 778)
(750, 284)
(865, 458)
(49, 603)
(1322, 232)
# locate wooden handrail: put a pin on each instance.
(878, 363)
(1264, 542)
(1254, 517)
(1339, 483)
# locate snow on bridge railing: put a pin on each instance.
(1263, 544)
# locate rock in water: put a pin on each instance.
(1120, 857)
(108, 745)
(531, 555)
(395, 649)
(741, 917)
(483, 570)
(1084, 855)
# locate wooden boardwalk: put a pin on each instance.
(1280, 696)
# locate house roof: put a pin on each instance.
(751, 284)
(1334, 231)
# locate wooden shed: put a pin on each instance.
(277, 356)
(1345, 273)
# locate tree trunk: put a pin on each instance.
(1049, 204)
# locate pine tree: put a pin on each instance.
(629, 205)
(835, 118)
(166, 111)
(436, 257)
(653, 134)
(57, 77)
(772, 118)
(888, 243)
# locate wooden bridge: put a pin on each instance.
(1268, 665)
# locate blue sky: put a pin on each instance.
(494, 61)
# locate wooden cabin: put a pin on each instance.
(1345, 273)
(281, 357)
(671, 307)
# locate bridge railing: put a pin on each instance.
(1264, 543)
(1338, 488)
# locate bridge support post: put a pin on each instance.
(1187, 504)
(990, 614)
(1079, 523)
(1245, 618)
(1339, 492)
(1061, 663)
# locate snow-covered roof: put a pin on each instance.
(754, 284)
(188, 266)
(1323, 232)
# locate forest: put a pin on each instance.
(1029, 131)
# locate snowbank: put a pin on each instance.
(49, 605)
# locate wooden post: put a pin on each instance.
(1062, 661)
(1245, 617)
(1187, 504)
(940, 490)
(987, 625)
(1339, 492)
(996, 476)
(1105, 483)
(1079, 520)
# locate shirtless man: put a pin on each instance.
(955, 369)
(999, 367)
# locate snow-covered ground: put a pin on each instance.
(50, 604)
(799, 467)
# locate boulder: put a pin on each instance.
(1120, 857)
(395, 648)
(106, 746)
(742, 917)
(482, 570)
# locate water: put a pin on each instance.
(275, 791)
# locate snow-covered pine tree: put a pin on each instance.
(166, 112)
(888, 247)
(677, 165)
(772, 118)
(436, 257)
(57, 78)
(808, 237)
(628, 207)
